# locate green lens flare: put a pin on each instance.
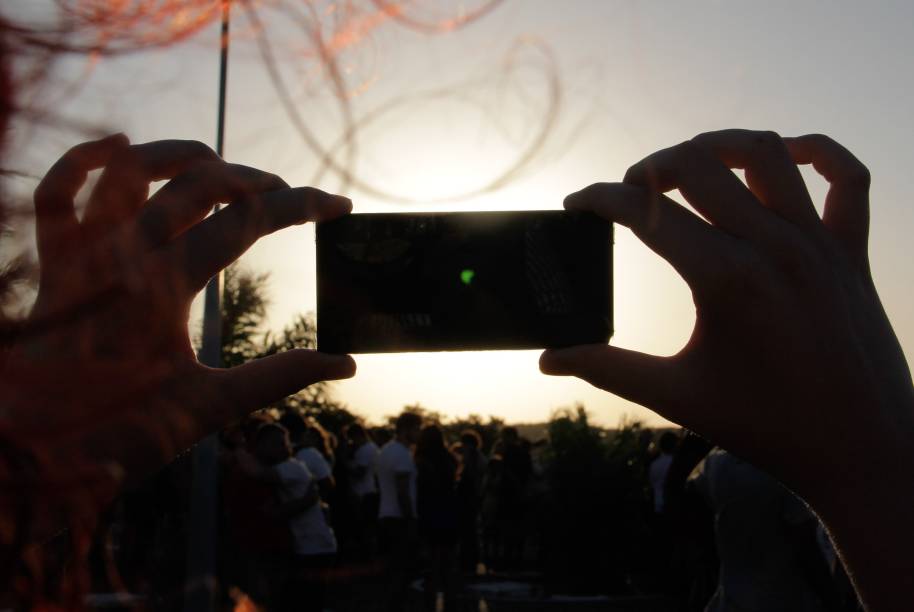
(466, 276)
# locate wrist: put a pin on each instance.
(867, 509)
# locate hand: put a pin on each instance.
(104, 374)
(793, 364)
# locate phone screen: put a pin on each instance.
(398, 282)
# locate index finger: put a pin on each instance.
(208, 247)
(124, 185)
(697, 250)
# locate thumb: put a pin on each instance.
(645, 379)
(263, 381)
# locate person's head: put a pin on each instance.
(294, 424)
(408, 426)
(509, 435)
(667, 443)
(431, 441)
(471, 439)
(432, 452)
(271, 444)
(356, 434)
(317, 437)
(381, 435)
(251, 424)
(232, 437)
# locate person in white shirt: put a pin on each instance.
(314, 541)
(397, 506)
(305, 437)
(660, 466)
(362, 464)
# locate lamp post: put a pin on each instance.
(201, 584)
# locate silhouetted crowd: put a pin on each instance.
(300, 501)
(402, 518)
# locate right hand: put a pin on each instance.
(792, 364)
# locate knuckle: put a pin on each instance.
(766, 146)
(246, 180)
(76, 154)
(310, 193)
(692, 152)
(273, 181)
(677, 160)
(249, 213)
(206, 171)
(820, 139)
(858, 176)
(195, 148)
(689, 148)
(705, 140)
(767, 138)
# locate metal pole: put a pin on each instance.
(201, 587)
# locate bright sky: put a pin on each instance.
(633, 77)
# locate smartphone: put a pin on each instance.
(463, 281)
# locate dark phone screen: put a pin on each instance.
(396, 282)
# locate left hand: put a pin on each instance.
(103, 380)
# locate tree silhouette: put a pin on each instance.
(244, 306)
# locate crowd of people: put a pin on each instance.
(300, 501)
(407, 516)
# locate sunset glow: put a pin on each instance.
(496, 105)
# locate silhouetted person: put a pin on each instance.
(469, 496)
(687, 528)
(489, 515)
(517, 468)
(437, 509)
(397, 477)
(259, 542)
(314, 543)
(660, 466)
(770, 559)
(362, 467)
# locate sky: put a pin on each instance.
(441, 115)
